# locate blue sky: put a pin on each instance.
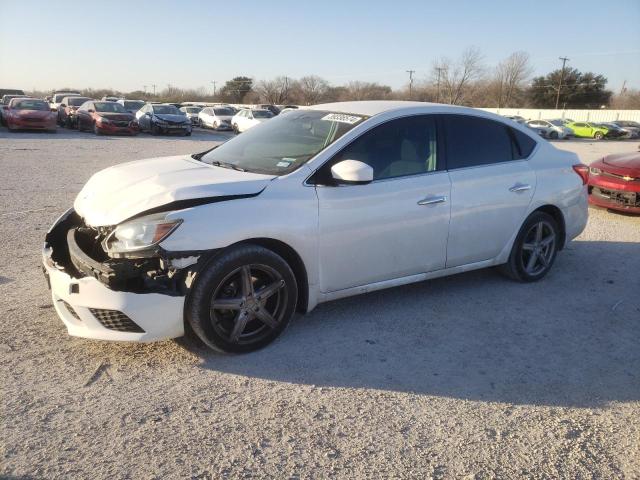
(128, 44)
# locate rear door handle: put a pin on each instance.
(431, 200)
(520, 187)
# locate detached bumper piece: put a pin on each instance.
(103, 298)
(615, 199)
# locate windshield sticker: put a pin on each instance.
(285, 162)
(341, 118)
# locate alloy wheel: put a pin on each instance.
(248, 304)
(538, 248)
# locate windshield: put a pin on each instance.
(166, 110)
(30, 105)
(132, 105)
(223, 112)
(77, 101)
(262, 114)
(285, 143)
(109, 107)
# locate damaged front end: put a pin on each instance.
(81, 251)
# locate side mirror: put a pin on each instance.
(147, 114)
(352, 172)
(90, 110)
(62, 105)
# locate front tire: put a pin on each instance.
(598, 136)
(235, 129)
(243, 299)
(553, 135)
(534, 249)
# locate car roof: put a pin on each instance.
(375, 107)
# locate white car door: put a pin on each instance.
(395, 226)
(492, 186)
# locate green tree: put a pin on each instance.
(235, 90)
(579, 90)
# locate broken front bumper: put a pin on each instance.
(91, 309)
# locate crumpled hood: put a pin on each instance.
(625, 160)
(122, 191)
(171, 118)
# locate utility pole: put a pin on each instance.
(213, 82)
(145, 89)
(154, 89)
(439, 69)
(564, 61)
(410, 72)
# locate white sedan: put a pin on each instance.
(549, 130)
(321, 203)
(247, 118)
(218, 118)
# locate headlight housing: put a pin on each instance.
(594, 171)
(104, 120)
(139, 234)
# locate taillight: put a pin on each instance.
(583, 171)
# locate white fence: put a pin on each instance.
(578, 115)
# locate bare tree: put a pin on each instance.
(456, 77)
(275, 91)
(365, 91)
(311, 89)
(510, 75)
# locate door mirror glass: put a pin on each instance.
(90, 110)
(352, 172)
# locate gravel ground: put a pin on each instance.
(471, 376)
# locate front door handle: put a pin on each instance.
(520, 187)
(431, 200)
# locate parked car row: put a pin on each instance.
(560, 128)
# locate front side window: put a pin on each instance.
(473, 141)
(283, 144)
(401, 147)
(262, 114)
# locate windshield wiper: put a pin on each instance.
(217, 163)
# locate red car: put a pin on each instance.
(29, 114)
(614, 182)
(106, 118)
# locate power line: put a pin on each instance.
(564, 61)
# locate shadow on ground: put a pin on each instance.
(571, 339)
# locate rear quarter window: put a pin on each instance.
(523, 144)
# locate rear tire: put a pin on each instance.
(235, 129)
(553, 135)
(534, 249)
(242, 300)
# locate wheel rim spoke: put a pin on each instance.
(247, 281)
(547, 241)
(269, 290)
(241, 322)
(227, 304)
(539, 232)
(532, 261)
(528, 246)
(265, 317)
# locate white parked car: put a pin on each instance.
(218, 118)
(192, 114)
(318, 204)
(549, 130)
(57, 97)
(247, 118)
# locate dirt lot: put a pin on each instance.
(471, 376)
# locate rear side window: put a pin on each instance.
(474, 141)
